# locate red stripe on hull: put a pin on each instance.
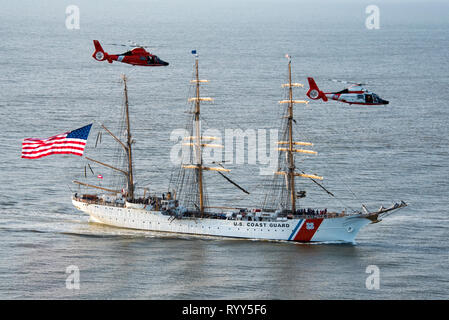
(308, 229)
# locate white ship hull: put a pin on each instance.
(317, 229)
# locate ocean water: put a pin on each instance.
(368, 155)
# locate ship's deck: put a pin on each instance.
(217, 215)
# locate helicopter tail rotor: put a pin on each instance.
(314, 92)
(99, 53)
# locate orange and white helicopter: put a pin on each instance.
(355, 94)
(136, 57)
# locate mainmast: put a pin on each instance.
(291, 172)
(198, 141)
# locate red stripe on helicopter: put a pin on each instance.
(308, 229)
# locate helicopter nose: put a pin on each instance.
(385, 102)
(162, 62)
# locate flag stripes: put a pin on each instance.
(72, 142)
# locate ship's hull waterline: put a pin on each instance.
(338, 229)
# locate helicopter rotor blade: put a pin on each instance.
(347, 82)
(117, 44)
(137, 45)
(130, 44)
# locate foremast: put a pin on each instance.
(291, 173)
(198, 146)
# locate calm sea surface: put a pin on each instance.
(371, 155)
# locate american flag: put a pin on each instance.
(72, 142)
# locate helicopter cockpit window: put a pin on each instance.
(376, 98)
(368, 98)
(360, 97)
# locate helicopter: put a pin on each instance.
(136, 57)
(354, 94)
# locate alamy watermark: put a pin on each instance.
(373, 280)
(72, 20)
(373, 20)
(73, 280)
(235, 147)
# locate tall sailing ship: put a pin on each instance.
(185, 210)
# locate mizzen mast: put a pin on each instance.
(127, 147)
(291, 163)
(128, 143)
